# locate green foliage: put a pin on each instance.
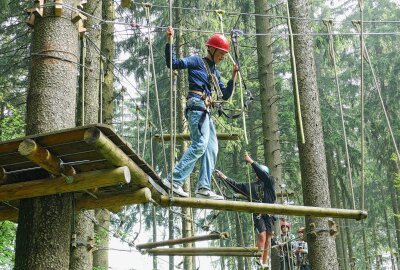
(7, 244)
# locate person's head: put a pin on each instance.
(265, 169)
(285, 226)
(217, 47)
(301, 232)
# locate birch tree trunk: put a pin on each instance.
(44, 224)
(322, 250)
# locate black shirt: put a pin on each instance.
(262, 190)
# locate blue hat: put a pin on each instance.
(264, 168)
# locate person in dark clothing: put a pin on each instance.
(204, 79)
(260, 190)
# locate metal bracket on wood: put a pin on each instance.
(79, 19)
(333, 228)
(33, 12)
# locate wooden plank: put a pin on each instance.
(117, 157)
(207, 251)
(114, 201)
(211, 236)
(50, 186)
(10, 214)
(263, 208)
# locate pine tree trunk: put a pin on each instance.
(108, 50)
(322, 250)
(44, 224)
(100, 257)
(269, 100)
(81, 256)
(171, 236)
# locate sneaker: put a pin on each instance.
(208, 194)
(176, 188)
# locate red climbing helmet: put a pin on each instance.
(218, 41)
(301, 230)
(285, 223)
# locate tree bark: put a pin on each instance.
(100, 257)
(44, 230)
(322, 250)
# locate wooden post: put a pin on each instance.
(115, 200)
(41, 156)
(263, 208)
(117, 157)
(50, 186)
(211, 236)
(186, 137)
(210, 251)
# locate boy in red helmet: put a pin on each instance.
(204, 78)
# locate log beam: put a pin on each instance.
(211, 236)
(41, 156)
(51, 186)
(266, 208)
(10, 214)
(114, 201)
(209, 251)
(186, 137)
(117, 157)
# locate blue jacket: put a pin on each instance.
(197, 73)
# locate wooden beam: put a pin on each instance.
(211, 236)
(41, 156)
(209, 251)
(10, 214)
(58, 8)
(186, 137)
(50, 186)
(3, 176)
(266, 208)
(115, 200)
(117, 157)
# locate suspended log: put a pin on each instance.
(209, 251)
(186, 137)
(211, 236)
(114, 201)
(266, 208)
(117, 157)
(41, 156)
(10, 214)
(50, 186)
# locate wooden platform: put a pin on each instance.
(74, 149)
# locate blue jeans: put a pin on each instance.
(204, 147)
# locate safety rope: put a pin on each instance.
(150, 45)
(295, 81)
(332, 54)
(362, 97)
(147, 123)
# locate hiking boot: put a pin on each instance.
(208, 194)
(177, 189)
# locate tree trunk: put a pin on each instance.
(322, 250)
(44, 230)
(81, 256)
(154, 226)
(171, 236)
(100, 257)
(268, 99)
(108, 51)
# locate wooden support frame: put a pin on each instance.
(41, 156)
(263, 208)
(211, 236)
(58, 8)
(51, 186)
(186, 137)
(209, 251)
(112, 202)
(115, 201)
(111, 152)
